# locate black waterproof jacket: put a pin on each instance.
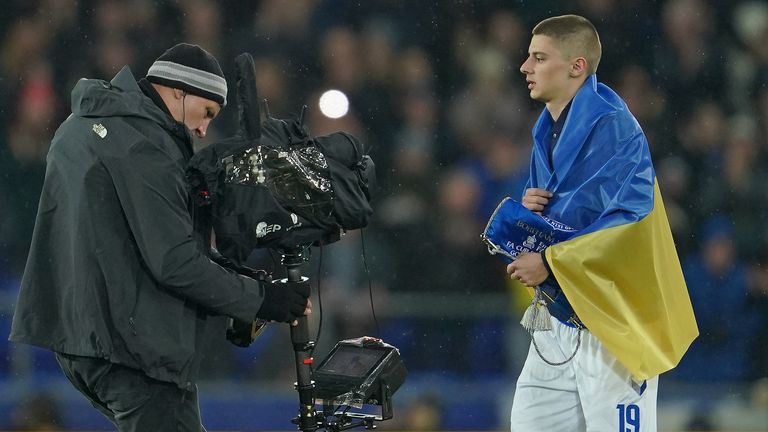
(115, 269)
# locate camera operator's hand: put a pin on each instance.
(285, 302)
(307, 312)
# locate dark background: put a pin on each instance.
(437, 97)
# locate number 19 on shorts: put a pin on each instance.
(629, 417)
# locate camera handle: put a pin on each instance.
(292, 259)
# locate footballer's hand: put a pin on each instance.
(529, 269)
(536, 199)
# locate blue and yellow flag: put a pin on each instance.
(620, 272)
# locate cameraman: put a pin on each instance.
(118, 281)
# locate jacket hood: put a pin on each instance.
(120, 97)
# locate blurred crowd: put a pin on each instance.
(437, 97)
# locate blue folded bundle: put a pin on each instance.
(513, 229)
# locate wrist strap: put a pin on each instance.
(546, 264)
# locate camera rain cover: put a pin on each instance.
(273, 185)
(298, 178)
(513, 229)
(288, 191)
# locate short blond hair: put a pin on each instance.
(575, 36)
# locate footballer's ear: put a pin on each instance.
(578, 67)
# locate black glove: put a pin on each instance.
(284, 302)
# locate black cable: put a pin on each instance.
(370, 285)
(320, 320)
(319, 305)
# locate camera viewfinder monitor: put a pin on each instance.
(349, 366)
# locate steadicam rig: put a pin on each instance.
(273, 185)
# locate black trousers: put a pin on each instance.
(130, 399)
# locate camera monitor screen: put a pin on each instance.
(353, 361)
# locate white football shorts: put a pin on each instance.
(593, 392)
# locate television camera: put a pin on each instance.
(274, 186)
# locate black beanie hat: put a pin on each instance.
(190, 68)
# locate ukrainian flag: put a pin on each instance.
(621, 272)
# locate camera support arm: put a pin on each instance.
(292, 259)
